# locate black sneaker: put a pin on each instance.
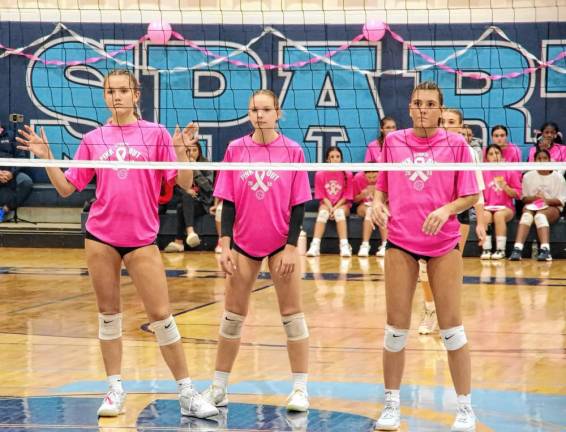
(516, 255)
(544, 255)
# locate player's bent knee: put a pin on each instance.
(541, 221)
(394, 339)
(109, 326)
(526, 219)
(295, 326)
(166, 331)
(454, 338)
(339, 215)
(231, 325)
(323, 216)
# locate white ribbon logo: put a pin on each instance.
(121, 153)
(259, 184)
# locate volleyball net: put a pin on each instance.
(338, 67)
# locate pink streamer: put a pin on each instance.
(298, 64)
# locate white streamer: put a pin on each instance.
(260, 166)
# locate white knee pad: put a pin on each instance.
(541, 221)
(109, 326)
(218, 213)
(526, 219)
(368, 213)
(295, 326)
(454, 338)
(166, 331)
(339, 215)
(231, 325)
(323, 216)
(394, 339)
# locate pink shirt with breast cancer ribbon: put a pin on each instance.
(125, 210)
(557, 153)
(360, 183)
(373, 152)
(263, 198)
(334, 186)
(414, 194)
(493, 194)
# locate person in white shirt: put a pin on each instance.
(544, 194)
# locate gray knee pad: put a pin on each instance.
(454, 338)
(231, 325)
(295, 326)
(166, 331)
(109, 326)
(394, 339)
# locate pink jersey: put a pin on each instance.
(373, 152)
(511, 153)
(557, 153)
(361, 183)
(263, 199)
(414, 194)
(494, 195)
(125, 211)
(334, 186)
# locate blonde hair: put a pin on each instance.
(134, 85)
(267, 93)
(429, 85)
(457, 112)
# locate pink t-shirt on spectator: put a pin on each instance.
(125, 211)
(360, 183)
(334, 185)
(557, 153)
(373, 152)
(414, 194)
(494, 195)
(511, 153)
(263, 199)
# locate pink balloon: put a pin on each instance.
(374, 30)
(159, 32)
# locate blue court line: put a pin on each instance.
(502, 410)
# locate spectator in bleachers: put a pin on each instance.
(501, 188)
(475, 143)
(509, 151)
(544, 195)
(364, 189)
(334, 190)
(193, 203)
(373, 152)
(15, 185)
(550, 140)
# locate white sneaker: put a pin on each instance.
(298, 400)
(390, 418)
(364, 250)
(193, 240)
(345, 250)
(113, 404)
(485, 254)
(498, 255)
(381, 251)
(428, 324)
(465, 419)
(314, 250)
(216, 396)
(174, 247)
(218, 248)
(194, 405)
